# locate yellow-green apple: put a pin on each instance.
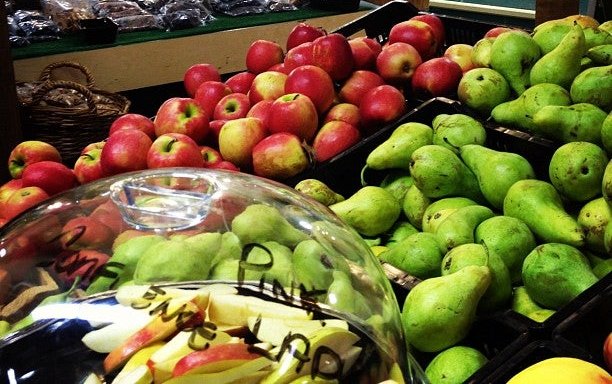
(6, 190)
(197, 74)
(262, 54)
(232, 106)
(496, 31)
(182, 115)
(226, 165)
(461, 54)
(301, 33)
(313, 82)
(481, 52)
(365, 50)
(482, 89)
(268, 85)
(210, 155)
(333, 53)
(299, 55)
(280, 156)
(294, 113)
(23, 199)
(360, 81)
(238, 138)
(436, 25)
(333, 138)
(84, 263)
(261, 111)
(417, 33)
(347, 112)
(209, 93)
(51, 176)
(133, 121)
(86, 232)
(125, 151)
(241, 81)
(88, 166)
(174, 150)
(380, 106)
(28, 152)
(216, 358)
(396, 62)
(435, 77)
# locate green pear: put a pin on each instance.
(397, 182)
(608, 238)
(538, 204)
(595, 37)
(278, 255)
(602, 268)
(230, 270)
(229, 249)
(172, 260)
(438, 211)
(576, 122)
(414, 205)
(207, 244)
(562, 64)
(313, 267)
(577, 169)
(371, 210)
(395, 151)
(498, 295)
(606, 134)
(594, 216)
(419, 255)
(482, 89)
(459, 227)
(439, 312)
(519, 112)
(481, 52)
(555, 274)
(513, 53)
(606, 26)
(319, 191)
(606, 183)
(495, 170)
(600, 54)
(259, 223)
(439, 172)
(523, 304)
(586, 63)
(345, 298)
(509, 238)
(549, 35)
(399, 231)
(455, 365)
(455, 130)
(594, 86)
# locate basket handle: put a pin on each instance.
(48, 86)
(45, 75)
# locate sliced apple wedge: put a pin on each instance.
(236, 309)
(243, 374)
(215, 359)
(139, 375)
(274, 330)
(109, 337)
(138, 359)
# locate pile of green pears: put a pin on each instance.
(556, 81)
(479, 231)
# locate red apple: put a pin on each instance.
(416, 33)
(209, 93)
(23, 199)
(347, 112)
(333, 53)
(333, 138)
(216, 358)
(313, 82)
(380, 106)
(261, 110)
(197, 74)
(607, 351)
(51, 176)
(358, 84)
(462, 55)
(6, 190)
(439, 76)
(299, 55)
(226, 165)
(280, 67)
(125, 151)
(232, 106)
(365, 50)
(28, 152)
(262, 54)
(85, 232)
(84, 263)
(303, 32)
(109, 214)
(280, 156)
(496, 31)
(213, 132)
(241, 81)
(294, 113)
(210, 156)
(133, 121)
(88, 167)
(174, 150)
(436, 25)
(182, 115)
(237, 139)
(396, 62)
(268, 85)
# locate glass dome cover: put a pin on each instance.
(188, 265)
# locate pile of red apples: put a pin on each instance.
(293, 107)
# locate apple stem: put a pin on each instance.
(170, 144)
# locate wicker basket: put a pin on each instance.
(70, 127)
